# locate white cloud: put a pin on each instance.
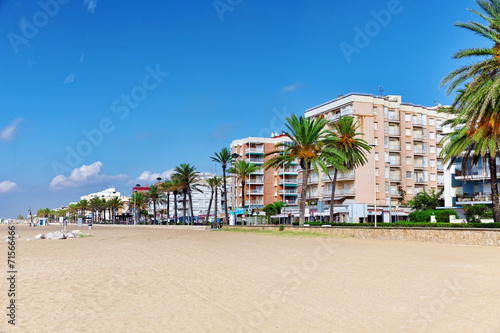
(7, 186)
(86, 174)
(8, 132)
(91, 5)
(149, 178)
(293, 87)
(70, 78)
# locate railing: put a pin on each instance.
(335, 117)
(395, 178)
(394, 132)
(340, 176)
(440, 182)
(419, 136)
(313, 180)
(419, 150)
(419, 122)
(255, 150)
(255, 181)
(290, 170)
(288, 192)
(440, 168)
(420, 165)
(289, 181)
(395, 163)
(340, 191)
(394, 117)
(255, 160)
(420, 180)
(395, 147)
(256, 202)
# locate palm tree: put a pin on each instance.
(176, 187)
(167, 187)
(214, 183)
(115, 203)
(83, 205)
(187, 176)
(343, 138)
(140, 201)
(477, 104)
(307, 145)
(155, 195)
(224, 158)
(242, 169)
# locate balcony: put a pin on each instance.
(254, 151)
(420, 180)
(420, 151)
(289, 171)
(255, 181)
(395, 147)
(255, 160)
(336, 117)
(340, 177)
(395, 163)
(440, 182)
(419, 123)
(258, 172)
(419, 136)
(346, 191)
(420, 165)
(394, 118)
(288, 182)
(256, 192)
(395, 178)
(440, 168)
(394, 132)
(289, 192)
(312, 180)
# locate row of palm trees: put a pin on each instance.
(476, 107)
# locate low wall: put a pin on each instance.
(176, 227)
(483, 237)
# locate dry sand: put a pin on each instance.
(146, 279)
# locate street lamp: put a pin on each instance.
(159, 180)
(135, 209)
(375, 182)
(390, 197)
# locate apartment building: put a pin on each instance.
(404, 160)
(264, 186)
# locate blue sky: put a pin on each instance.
(159, 83)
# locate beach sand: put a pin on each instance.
(147, 279)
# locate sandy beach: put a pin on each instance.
(147, 279)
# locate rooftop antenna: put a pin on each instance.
(381, 91)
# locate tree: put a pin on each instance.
(140, 201)
(477, 103)
(273, 208)
(242, 169)
(344, 139)
(426, 200)
(213, 184)
(187, 176)
(167, 187)
(155, 195)
(20, 217)
(116, 203)
(83, 205)
(224, 158)
(307, 146)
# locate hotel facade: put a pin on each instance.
(404, 159)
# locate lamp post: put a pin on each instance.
(135, 209)
(156, 221)
(375, 183)
(390, 196)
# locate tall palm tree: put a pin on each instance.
(242, 169)
(307, 145)
(214, 184)
(116, 203)
(477, 104)
(83, 206)
(140, 201)
(343, 138)
(167, 187)
(188, 177)
(224, 158)
(176, 188)
(155, 195)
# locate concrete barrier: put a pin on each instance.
(462, 236)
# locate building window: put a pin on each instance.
(407, 117)
(386, 112)
(433, 177)
(386, 127)
(374, 110)
(376, 172)
(376, 156)
(387, 170)
(408, 146)
(376, 141)
(408, 132)
(408, 174)
(424, 119)
(409, 190)
(386, 187)
(376, 187)
(386, 142)
(408, 160)
(432, 149)
(432, 136)
(433, 163)
(375, 125)
(431, 121)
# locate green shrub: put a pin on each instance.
(282, 227)
(420, 216)
(475, 213)
(443, 215)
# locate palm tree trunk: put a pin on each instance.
(494, 188)
(243, 194)
(216, 224)
(175, 207)
(154, 211)
(303, 196)
(210, 205)
(225, 195)
(184, 207)
(191, 205)
(168, 207)
(332, 199)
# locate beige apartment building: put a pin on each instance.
(264, 186)
(404, 159)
